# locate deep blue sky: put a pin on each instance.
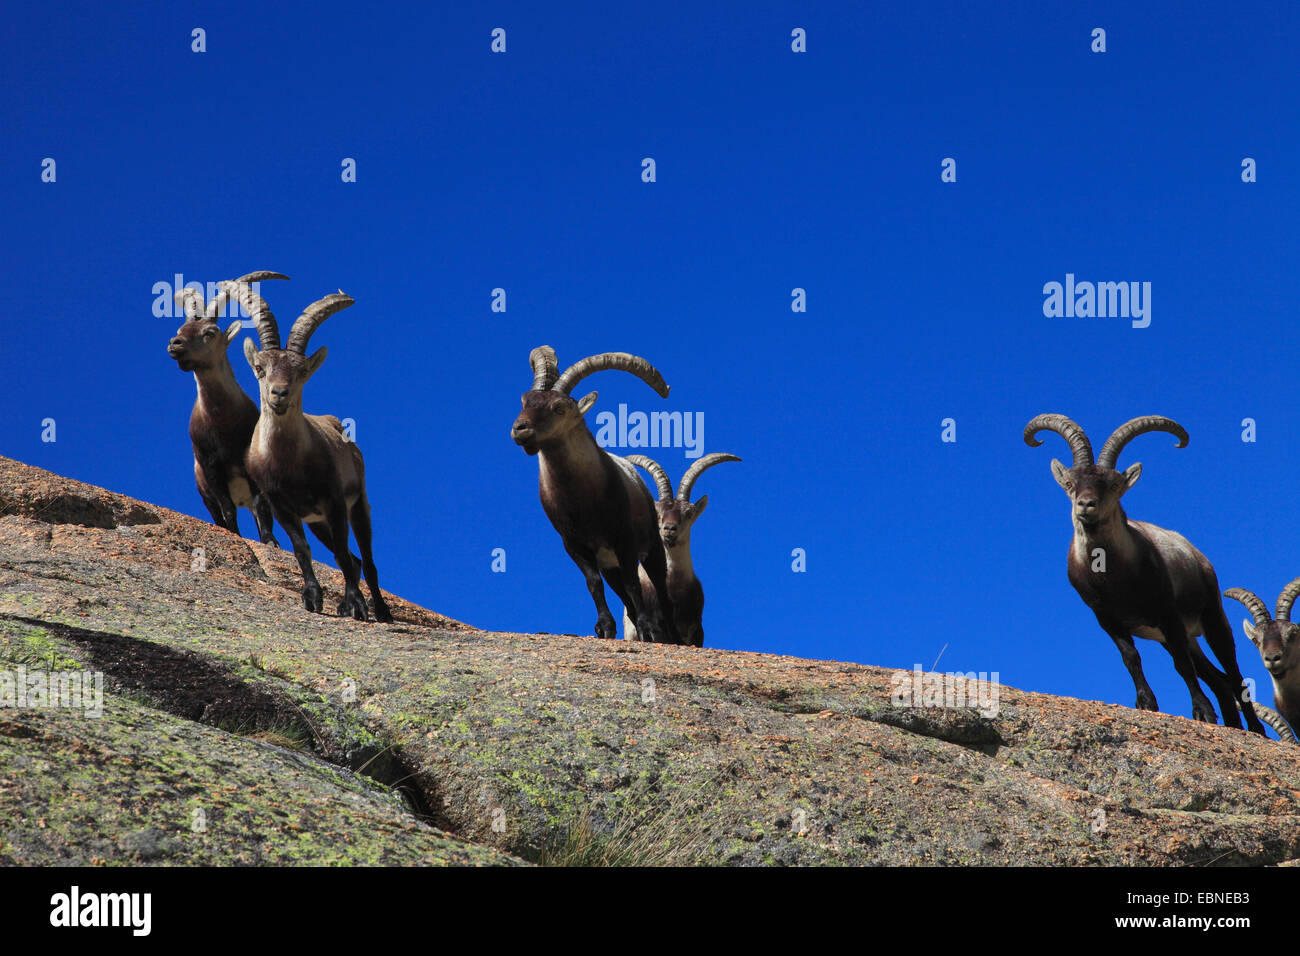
(776, 170)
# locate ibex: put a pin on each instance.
(223, 419)
(596, 501)
(676, 514)
(1278, 642)
(302, 463)
(1140, 579)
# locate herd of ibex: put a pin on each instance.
(302, 469)
(1139, 579)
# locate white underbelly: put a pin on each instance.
(240, 493)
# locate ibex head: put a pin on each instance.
(1276, 639)
(677, 512)
(282, 372)
(549, 413)
(1095, 487)
(199, 343)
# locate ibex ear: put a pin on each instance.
(1062, 476)
(701, 505)
(1251, 632)
(250, 352)
(317, 359)
(232, 330)
(1131, 476)
(586, 402)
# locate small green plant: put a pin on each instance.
(35, 650)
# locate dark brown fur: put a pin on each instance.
(221, 426)
(597, 505)
(1153, 578)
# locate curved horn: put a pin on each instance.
(268, 330)
(1258, 609)
(312, 317)
(1286, 599)
(660, 476)
(191, 300)
(1274, 720)
(1131, 429)
(546, 367)
(1067, 429)
(697, 469)
(219, 303)
(621, 361)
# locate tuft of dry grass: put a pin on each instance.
(660, 834)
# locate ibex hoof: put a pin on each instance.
(1204, 713)
(382, 614)
(353, 605)
(1146, 702)
(312, 600)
